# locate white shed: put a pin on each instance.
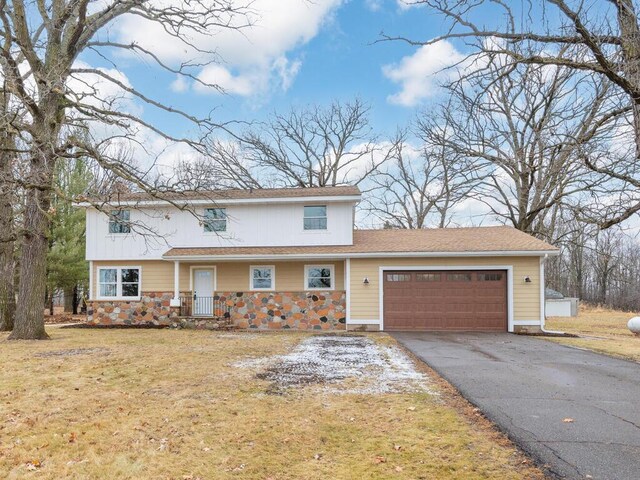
(557, 305)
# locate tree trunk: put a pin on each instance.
(51, 299)
(7, 261)
(630, 43)
(74, 300)
(29, 320)
(68, 300)
(7, 230)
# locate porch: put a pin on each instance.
(259, 294)
(280, 295)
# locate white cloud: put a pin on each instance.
(374, 5)
(242, 85)
(256, 57)
(180, 84)
(419, 74)
(132, 143)
(407, 4)
(286, 70)
(403, 5)
(92, 88)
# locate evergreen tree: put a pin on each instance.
(66, 266)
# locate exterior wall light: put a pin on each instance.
(527, 279)
(365, 281)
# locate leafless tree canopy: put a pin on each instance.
(597, 266)
(528, 127)
(53, 95)
(306, 147)
(601, 38)
(420, 186)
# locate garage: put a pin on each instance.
(445, 300)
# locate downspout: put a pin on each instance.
(347, 292)
(543, 302)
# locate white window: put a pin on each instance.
(315, 217)
(215, 219)
(262, 277)
(119, 221)
(119, 282)
(318, 277)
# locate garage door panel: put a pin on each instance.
(445, 300)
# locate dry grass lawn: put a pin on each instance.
(601, 330)
(159, 404)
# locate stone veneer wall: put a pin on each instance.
(287, 310)
(153, 308)
(255, 310)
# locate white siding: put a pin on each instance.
(247, 226)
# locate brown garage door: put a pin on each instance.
(445, 300)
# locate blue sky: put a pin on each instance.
(299, 52)
(304, 53)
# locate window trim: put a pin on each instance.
(110, 220)
(331, 268)
(273, 278)
(119, 269)
(204, 221)
(326, 218)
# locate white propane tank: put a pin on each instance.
(634, 325)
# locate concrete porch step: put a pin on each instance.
(202, 323)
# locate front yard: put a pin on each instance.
(599, 329)
(193, 404)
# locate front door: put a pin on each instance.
(203, 292)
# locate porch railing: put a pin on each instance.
(197, 306)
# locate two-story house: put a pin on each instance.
(291, 258)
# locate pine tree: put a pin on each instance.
(66, 267)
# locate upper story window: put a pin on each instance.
(119, 282)
(315, 217)
(262, 277)
(215, 219)
(119, 221)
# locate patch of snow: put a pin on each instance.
(341, 364)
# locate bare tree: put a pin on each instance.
(7, 225)
(313, 147)
(39, 49)
(231, 166)
(598, 266)
(568, 272)
(606, 248)
(527, 128)
(599, 37)
(420, 187)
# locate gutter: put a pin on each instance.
(219, 201)
(306, 255)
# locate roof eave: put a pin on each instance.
(224, 201)
(306, 256)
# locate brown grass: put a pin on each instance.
(601, 330)
(168, 405)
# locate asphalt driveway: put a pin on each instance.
(531, 388)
